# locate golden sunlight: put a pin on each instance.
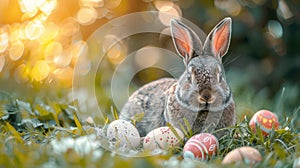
(40, 70)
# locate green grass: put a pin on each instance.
(39, 133)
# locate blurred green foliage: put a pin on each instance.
(58, 140)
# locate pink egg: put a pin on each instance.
(200, 147)
(246, 154)
(266, 120)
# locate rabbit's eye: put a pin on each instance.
(191, 78)
(190, 74)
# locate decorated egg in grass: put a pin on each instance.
(265, 120)
(162, 138)
(201, 147)
(124, 134)
(246, 154)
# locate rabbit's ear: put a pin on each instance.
(186, 42)
(218, 40)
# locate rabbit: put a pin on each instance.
(201, 95)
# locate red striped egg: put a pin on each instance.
(200, 147)
(265, 120)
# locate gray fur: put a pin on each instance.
(201, 95)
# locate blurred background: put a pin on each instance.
(40, 41)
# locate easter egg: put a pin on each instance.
(123, 133)
(247, 154)
(266, 120)
(162, 138)
(200, 147)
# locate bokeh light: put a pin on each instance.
(21, 74)
(108, 41)
(98, 3)
(16, 50)
(69, 27)
(40, 70)
(110, 4)
(283, 10)
(64, 76)
(2, 62)
(101, 12)
(147, 56)
(167, 11)
(33, 29)
(50, 33)
(52, 51)
(86, 16)
(48, 6)
(42, 40)
(3, 41)
(15, 32)
(232, 7)
(116, 53)
(275, 28)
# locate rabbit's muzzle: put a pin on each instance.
(206, 97)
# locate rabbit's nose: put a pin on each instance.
(206, 97)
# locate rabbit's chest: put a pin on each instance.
(175, 113)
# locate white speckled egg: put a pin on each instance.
(162, 138)
(123, 132)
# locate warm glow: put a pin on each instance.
(48, 6)
(43, 40)
(167, 13)
(77, 49)
(52, 51)
(16, 50)
(33, 30)
(147, 56)
(110, 4)
(114, 49)
(98, 3)
(86, 16)
(50, 33)
(29, 6)
(64, 75)
(2, 62)
(69, 27)
(109, 41)
(40, 70)
(3, 41)
(101, 12)
(21, 73)
(163, 5)
(115, 54)
(15, 33)
(64, 59)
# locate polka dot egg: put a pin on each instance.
(162, 138)
(265, 120)
(200, 147)
(124, 133)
